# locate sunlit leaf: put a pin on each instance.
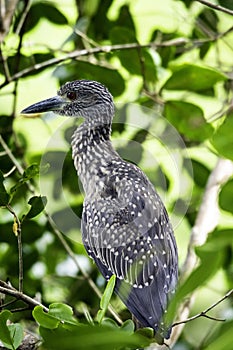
(10, 335)
(62, 312)
(193, 78)
(105, 300)
(188, 119)
(44, 319)
(222, 139)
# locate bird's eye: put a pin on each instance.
(71, 95)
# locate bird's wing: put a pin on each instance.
(131, 237)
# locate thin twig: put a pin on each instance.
(11, 156)
(78, 53)
(9, 290)
(216, 7)
(204, 313)
(18, 232)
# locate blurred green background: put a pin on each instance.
(168, 65)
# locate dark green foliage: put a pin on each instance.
(175, 122)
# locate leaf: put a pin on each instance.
(29, 173)
(223, 341)
(16, 333)
(91, 337)
(32, 171)
(222, 139)
(193, 78)
(4, 196)
(10, 335)
(4, 330)
(225, 197)
(44, 319)
(105, 300)
(62, 312)
(40, 10)
(109, 77)
(188, 119)
(132, 59)
(37, 203)
(128, 326)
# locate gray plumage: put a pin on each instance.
(125, 226)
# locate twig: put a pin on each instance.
(9, 290)
(78, 53)
(11, 156)
(18, 233)
(204, 313)
(216, 7)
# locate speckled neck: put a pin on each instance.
(91, 150)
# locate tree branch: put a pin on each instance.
(79, 53)
(216, 7)
(205, 312)
(7, 289)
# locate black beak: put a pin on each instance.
(50, 104)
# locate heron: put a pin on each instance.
(125, 225)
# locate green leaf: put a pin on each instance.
(10, 335)
(16, 333)
(29, 173)
(32, 171)
(193, 78)
(223, 341)
(222, 139)
(188, 119)
(105, 300)
(225, 197)
(4, 196)
(37, 203)
(91, 337)
(109, 77)
(44, 319)
(128, 326)
(132, 59)
(4, 330)
(62, 312)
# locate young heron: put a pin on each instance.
(125, 226)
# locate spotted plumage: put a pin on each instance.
(125, 226)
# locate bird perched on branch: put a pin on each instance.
(125, 226)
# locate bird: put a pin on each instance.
(125, 225)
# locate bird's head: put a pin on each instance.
(79, 98)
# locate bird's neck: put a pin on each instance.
(91, 150)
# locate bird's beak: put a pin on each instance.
(50, 104)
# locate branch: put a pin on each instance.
(18, 233)
(216, 7)
(7, 289)
(205, 312)
(79, 53)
